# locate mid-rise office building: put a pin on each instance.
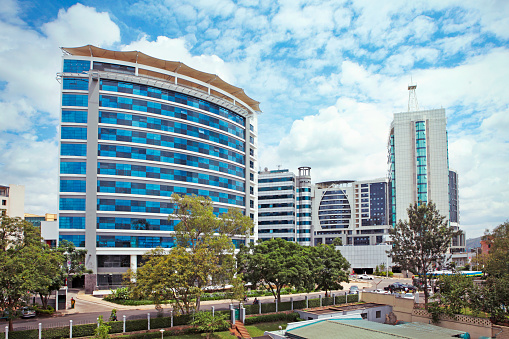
(134, 130)
(12, 201)
(354, 211)
(284, 205)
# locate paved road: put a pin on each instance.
(90, 308)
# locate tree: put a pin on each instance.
(206, 322)
(203, 255)
(329, 267)
(21, 263)
(101, 332)
(496, 268)
(276, 263)
(238, 291)
(421, 242)
(74, 259)
(337, 242)
(51, 273)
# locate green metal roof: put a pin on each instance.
(363, 329)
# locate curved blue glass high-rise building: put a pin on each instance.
(135, 130)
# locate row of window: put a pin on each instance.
(78, 100)
(123, 187)
(168, 157)
(291, 204)
(169, 141)
(67, 167)
(75, 116)
(74, 133)
(168, 174)
(136, 224)
(275, 188)
(75, 84)
(163, 94)
(278, 230)
(170, 126)
(275, 214)
(279, 196)
(276, 222)
(73, 186)
(263, 181)
(133, 241)
(78, 150)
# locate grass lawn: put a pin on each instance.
(258, 329)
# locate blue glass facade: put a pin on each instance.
(129, 146)
(140, 153)
(334, 210)
(141, 171)
(421, 163)
(169, 141)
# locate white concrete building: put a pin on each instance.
(12, 201)
(284, 205)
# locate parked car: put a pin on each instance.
(27, 312)
(364, 276)
(409, 288)
(394, 287)
(354, 289)
(408, 296)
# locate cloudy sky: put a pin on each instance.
(329, 75)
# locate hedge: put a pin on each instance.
(272, 317)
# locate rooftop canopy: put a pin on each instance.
(172, 66)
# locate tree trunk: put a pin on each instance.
(198, 299)
(425, 290)
(11, 327)
(44, 301)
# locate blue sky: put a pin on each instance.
(329, 75)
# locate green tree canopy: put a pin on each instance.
(26, 263)
(496, 267)
(421, 242)
(203, 255)
(277, 263)
(329, 267)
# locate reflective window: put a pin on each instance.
(73, 167)
(169, 126)
(107, 67)
(79, 150)
(136, 224)
(74, 116)
(73, 186)
(76, 66)
(154, 92)
(74, 100)
(72, 204)
(74, 133)
(132, 241)
(275, 188)
(168, 174)
(76, 83)
(123, 187)
(77, 239)
(71, 222)
(169, 141)
(168, 157)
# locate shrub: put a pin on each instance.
(272, 317)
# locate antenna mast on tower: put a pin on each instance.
(412, 98)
